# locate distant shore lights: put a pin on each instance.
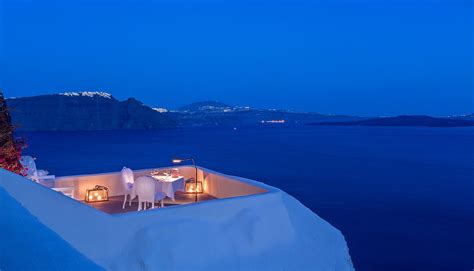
(273, 121)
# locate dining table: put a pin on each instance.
(169, 185)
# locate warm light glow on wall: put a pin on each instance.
(205, 185)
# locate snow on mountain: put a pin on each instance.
(88, 94)
(160, 110)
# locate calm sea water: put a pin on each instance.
(402, 197)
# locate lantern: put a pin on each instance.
(98, 193)
(196, 187)
(191, 187)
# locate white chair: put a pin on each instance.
(146, 190)
(29, 167)
(32, 173)
(128, 183)
(42, 177)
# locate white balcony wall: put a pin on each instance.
(214, 183)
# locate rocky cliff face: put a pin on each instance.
(85, 111)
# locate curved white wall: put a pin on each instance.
(216, 184)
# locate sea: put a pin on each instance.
(403, 197)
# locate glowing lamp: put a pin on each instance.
(98, 193)
(196, 183)
(191, 187)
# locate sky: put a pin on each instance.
(367, 57)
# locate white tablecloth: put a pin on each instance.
(170, 185)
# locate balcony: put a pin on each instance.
(215, 186)
(237, 222)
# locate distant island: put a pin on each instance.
(425, 121)
(95, 111)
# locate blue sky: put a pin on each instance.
(350, 57)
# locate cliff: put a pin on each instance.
(85, 111)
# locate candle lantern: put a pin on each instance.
(98, 193)
(191, 187)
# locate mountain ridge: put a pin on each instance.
(84, 111)
(96, 110)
